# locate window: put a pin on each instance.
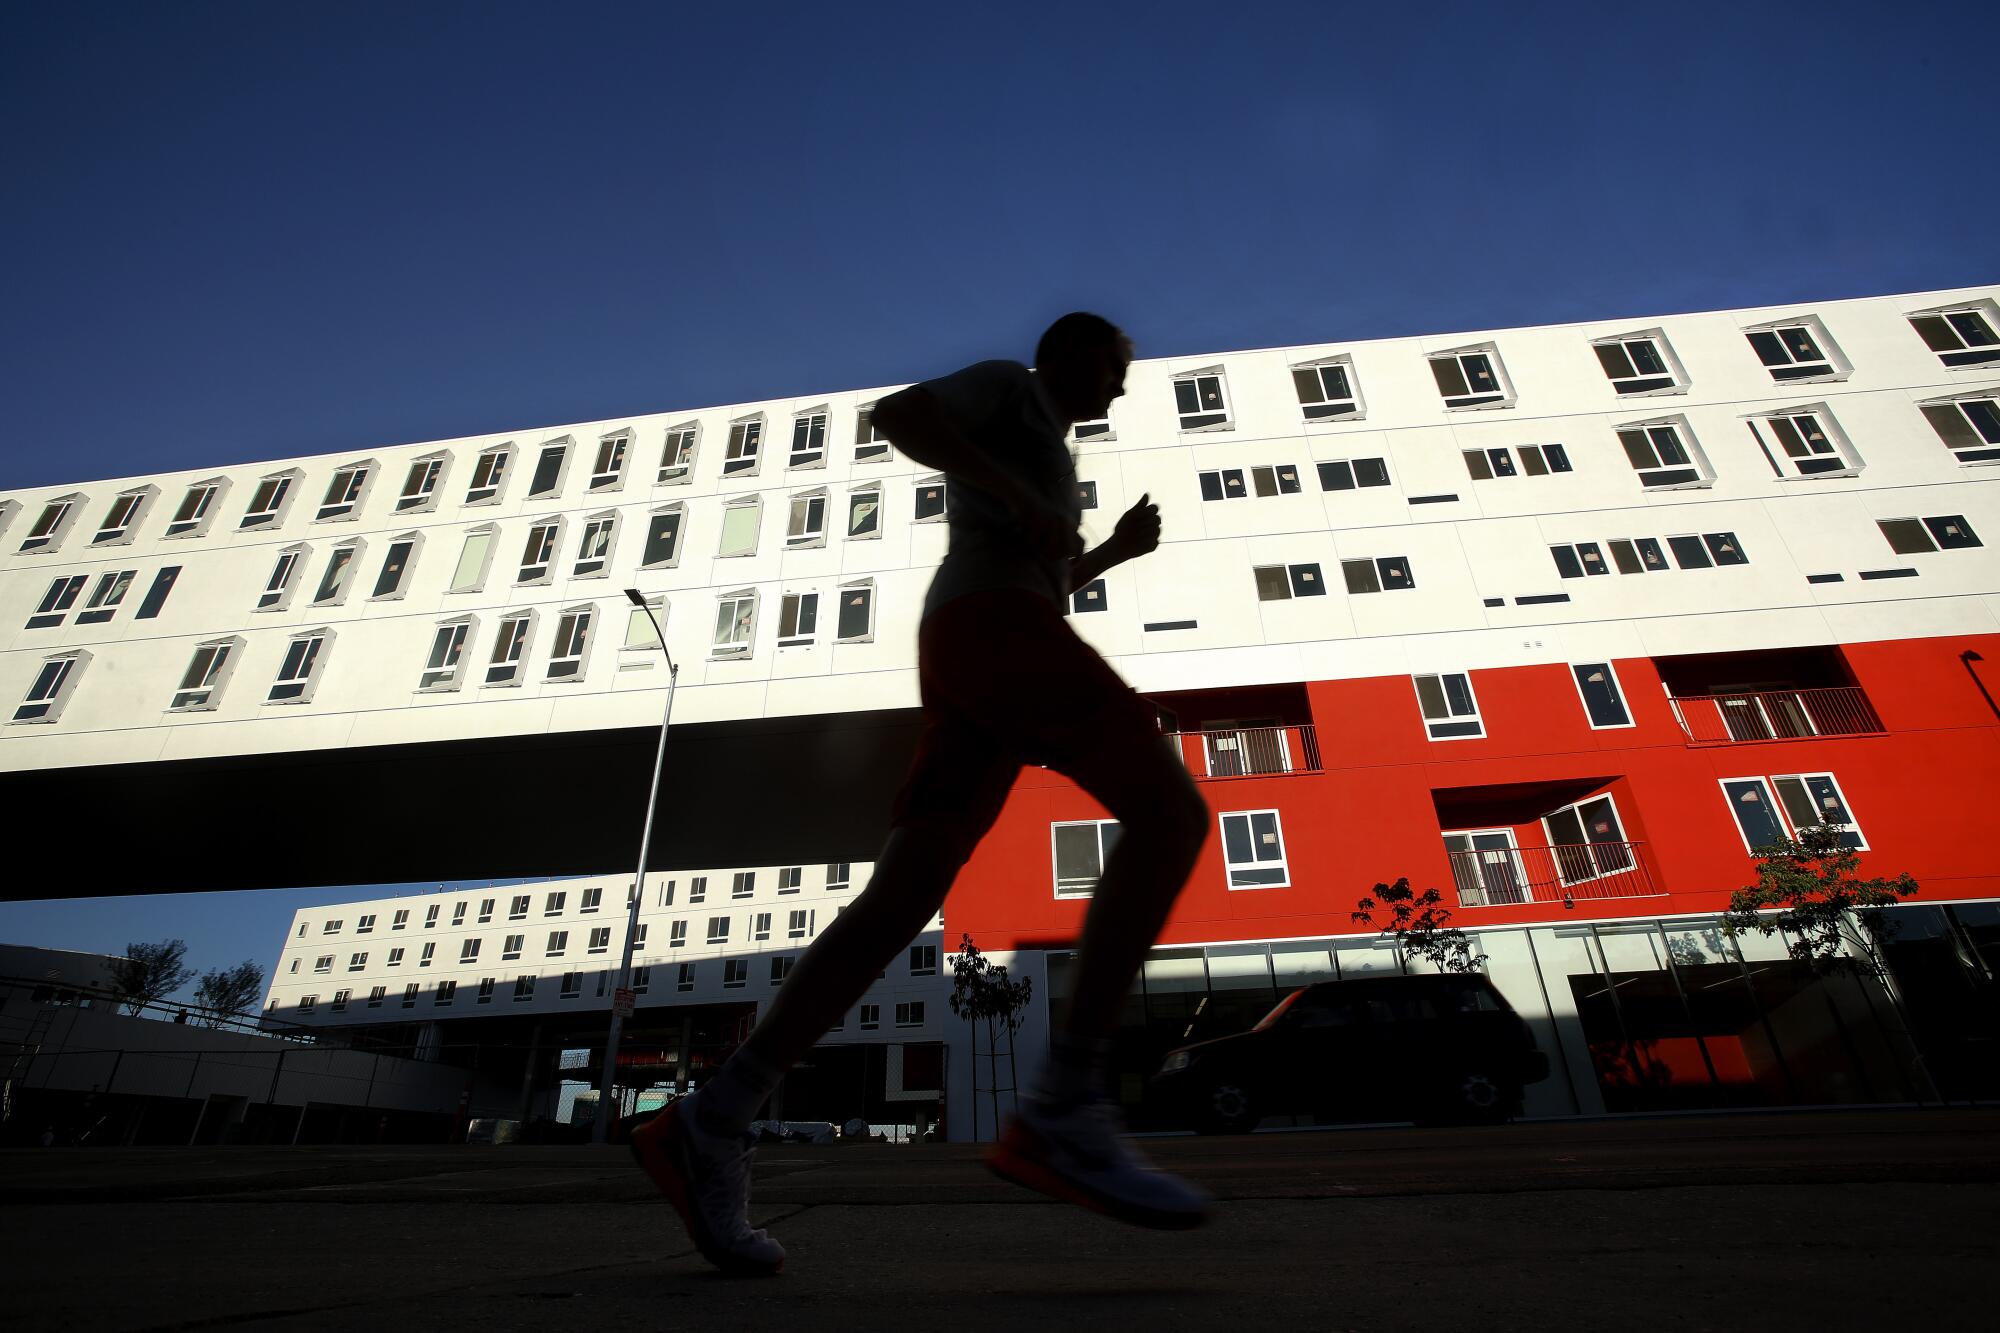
(740, 520)
(401, 919)
(1254, 850)
(931, 502)
(156, 596)
(808, 439)
(743, 884)
(781, 967)
(1796, 351)
(299, 673)
(1345, 474)
(1326, 389)
(663, 537)
(1969, 427)
(446, 663)
(677, 457)
(429, 952)
(375, 996)
(1223, 484)
(1802, 800)
(197, 509)
(332, 927)
(572, 986)
(599, 941)
(552, 905)
(1588, 841)
(267, 502)
(106, 597)
(307, 1002)
(1711, 548)
(789, 878)
(864, 513)
(1086, 494)
(735, 973)
(122, 517)
(510, 948)
(539, 555)
(396, 955)
(1278, 583)
(799, 924)
(923, 960)
(284, 576)
(324, 963)
(1804, 446)
(57, 601)
(1603, 701)
(1638, 364)
(870, 444)
(447, 992)
(1450, 710)
(1915, 536)
(517, 907)
(640, 633)
(524, 989)
(1541, 459)
(1960, 335)
(909, 1013)
(677, 934)
(745, 436)
(871, 1017)
(807, 524)
(1099, 429)
(333, 584)
(468, 951)
(485, 990)
(572, 645)
(1471, 377)
(485, 910)
(431, 916)
(684, 978)
(698, 889)
(510, 650)
(839, 875)
(558, 944)
(1080, 850)
(1202, 400)
(857, 613)
(340, 1001)
(735, 623)
(53, 525)
(1663, 455)
(420, 485)
(592, 899)
(458, 913)
(489, 475)
(1386, 574)
(344, 492)
(366, 925)
(609, 469)
(1090, 597)
(550, 468)
(1537, 460)
(718, 930)
(1638, 555)
(593, 553)
(473, 560)
(1267, 481)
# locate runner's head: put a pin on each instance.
(1081, 359)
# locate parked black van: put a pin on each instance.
(1443, 1048)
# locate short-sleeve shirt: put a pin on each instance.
(1001, 407)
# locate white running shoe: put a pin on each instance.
(1078, 1154)
(706, 1177)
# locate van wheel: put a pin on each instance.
(1476, 1097)
(1229, 1108)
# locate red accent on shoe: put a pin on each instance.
(661, 1149)
(1020, 1157)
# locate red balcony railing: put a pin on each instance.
(1500, 876)
(1776, 715)
(1243, 752)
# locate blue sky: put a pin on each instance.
(244, 231)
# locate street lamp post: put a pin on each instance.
(605, 1110)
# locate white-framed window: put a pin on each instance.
(392, 581)
(347, 490)
(593, 552)
(1389, 573)
(366, 925)
(1223, 484)
(931, 501)
(509, 658)
(1328, 390)
(332, 928)
(123, 516)
(431, 916)
(781, 967)
(558, 944)
(600, 940)
(735, 973)
(743, 884)
(718, 930)
(677, 454)
(489, 475)
(677, 934)
(1603, 700)
(684, 977)
(1078, 851)
(1664, 454)
(551, 467)
(475, 558)
(1471, 377)
(572, 644)
(538, 555)
(808, 439)
(376, 995)
(923, 960)
(760, 927)
(799, 924)
(1098, 429)
(277, 594)
(57, 601)
(870, 1017)
(1575, 560)
(1537, 460)
(486, 985)
(396, 955)
(468, 951)
(740, 521)
(870, 444)
(790, 878)
(511, 946)
(607, 473)
(446, 994)
(207, 676)
(1797, 351)
(806, 526)
(107, 596)
(1201, 399)
(698, 889)
(1770, 809)
(338, 576)
(798, 619)
(909, 1013)
(572, 986)
(864, 512)
(1961, 335)
(307, 1002)
(1280, 479)
(663, 536)
(591, 901)
(735, 623)
(53, 524)
(524, 989)
(1253, 848)
(400, 921)
(639, 633)
(746, 440)
(1279, 583)
(1917, 536)
(49, 693)
(303, 665)
(839, 875)
(1346, 474)
(1640, 365)
(444, 667)
(1805, 442)
(1450, 708)
(857, 612)
(340, 997)
(1588, 840)
(198, 507)
(1090, 597)
(486, 910)
(268, 501)
(1969, 425)
(421, 484)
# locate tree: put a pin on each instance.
(149, 971)
(1809, 888)
(1420, 926)
(226, 992)
(982, 993)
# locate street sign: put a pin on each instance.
(622, 1001)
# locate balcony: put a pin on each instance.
(1565, 873)
(1775, 715)
(1248, 752)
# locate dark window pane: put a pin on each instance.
(546, 470)
(1769, 350)
(1937, 334)
(1211, 483)
(1430, 698)
(1360, 576)
(1638, 449)
(1647, 358)
(1725, 548)
(1650, 553)
(1952, 531)
(1396, 573)
(1667, 443)
(855, 606)
(1335, 477)
(1264, 480)
(1592, 558)
(1306, 581)
(1503, 464)
(1600, 695)
(1800, 344)
(1476, 464)
(1689, 552)
(1566, 562)
(662, 537)
(1557, 456)
(1450, 379)
(1532, 462)
(1951, 425)
(1971, 326)
(1617, 365)
(1479, 373)
(1626, 556)
(1288, 481)
(1232, 484)
(1750, 802)
(1272, 584)
(1186, 398)
(156, 596)
(1371, 472)
(1907, 536)
(1306, 382)
(1086, 494)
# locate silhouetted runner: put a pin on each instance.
(1004, 681)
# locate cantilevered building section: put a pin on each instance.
(1563, 620)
